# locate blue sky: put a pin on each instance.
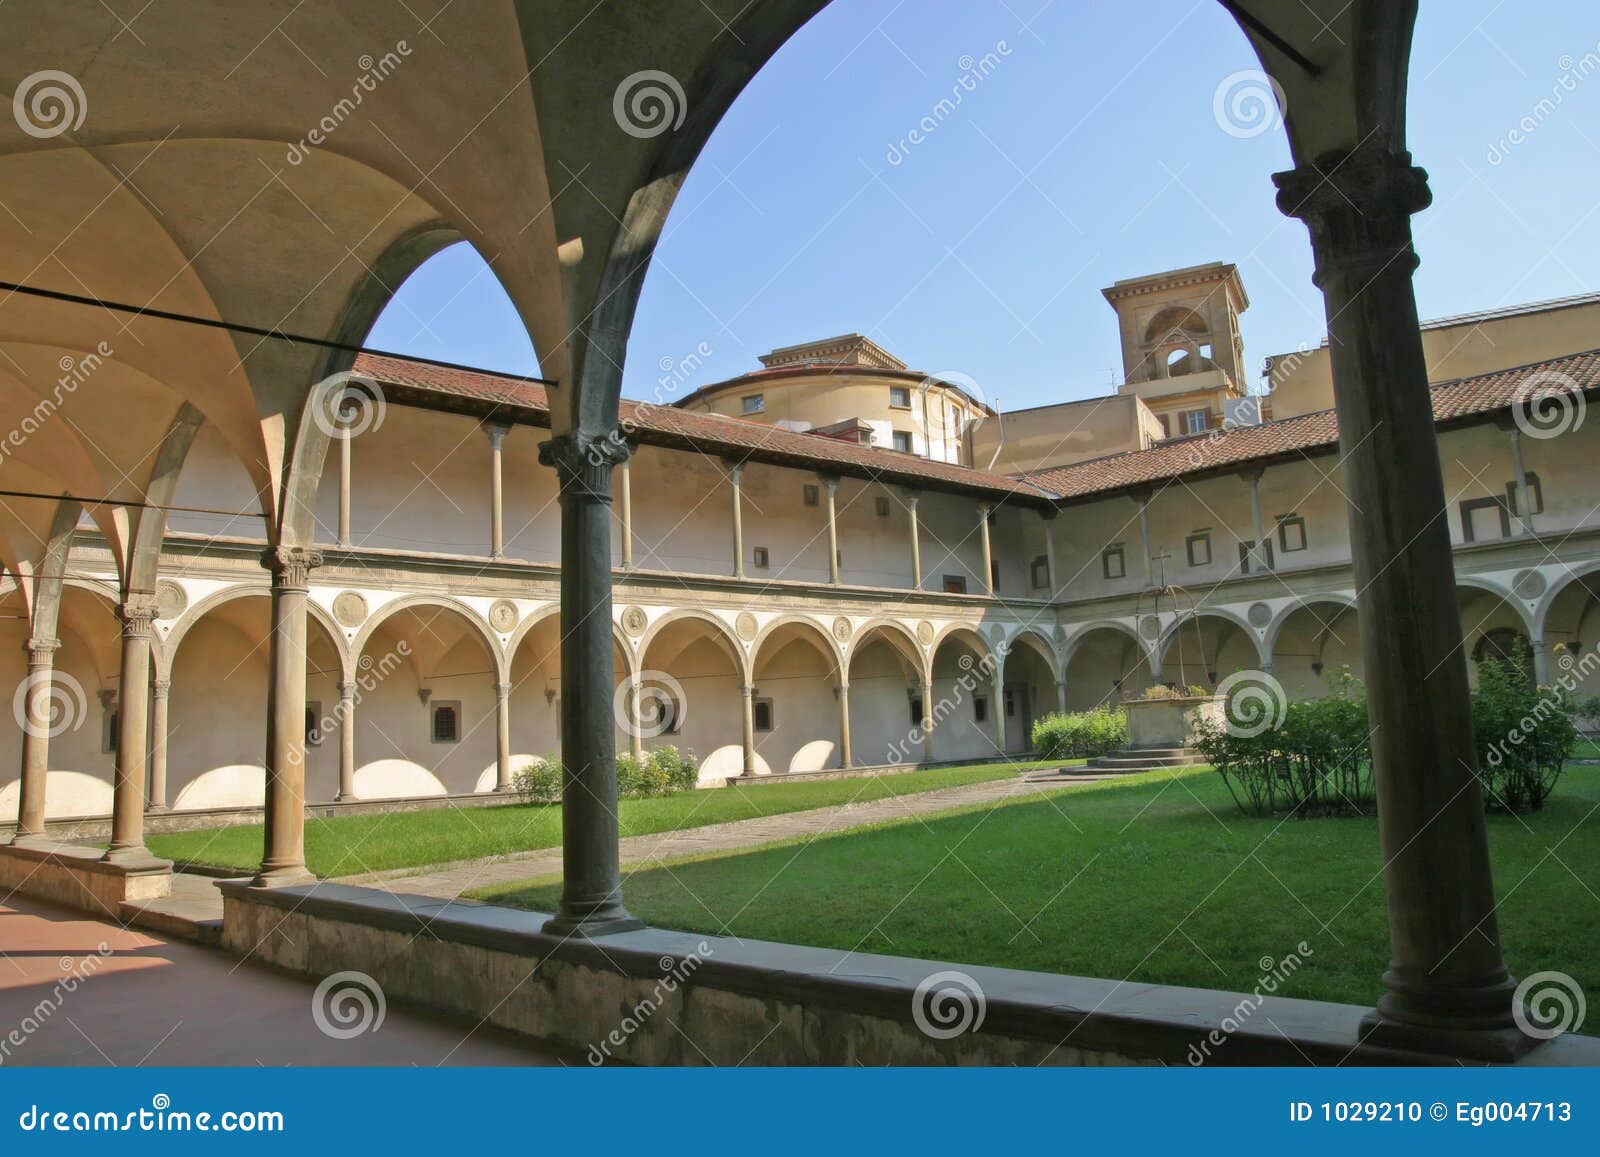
(1090, 152)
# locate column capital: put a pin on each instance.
(40, 650)
(735, 470)
(583, 462)
(347, 688)
(1252, 475)
(502, 691)
(136, 615)
(291, 566)
(747, 690)
(912, 498)
(496, 432)
(831, 481)
(161, 688)
(1357, 203)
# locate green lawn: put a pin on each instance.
(370, 843)
(1586, 748)
(1156, 878)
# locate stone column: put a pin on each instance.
(735, 474)
(133, 717)
(36, 740)
(831, 485)
(997, 684)
(497, 510)
(927, 719)
(1541, 662)
(1524, 495)
(625, 476)
(747, 715)
(591, 894)
(1258, 553)
(916, 542)
(159, 690)
(1144, 540)
(1449, 990)
(1061, 695)
(502, 737)
(344, 485)
(1048, 517)
(988, 548)
(635, 730)
(283, 860)
(347, 741)
(846, 757)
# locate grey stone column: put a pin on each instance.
(635, 728)
(1541, 662)
(36, 740)
(831, 485)
(1258, 552)
(916, 542)
(747, 715)
(1061, 695)
(1524, 495)
(159, 692)
(735, 475)
(927, 719)
(1048, 517)
(344, 485)
(997, 683)
(1144, 540)
(497, 432)
(283, 859)
(347, 741)
(133, 717)
(502, 737)
(625, 486)
(988, 548)
(846, 757)
(1449, 990)
(591, 891)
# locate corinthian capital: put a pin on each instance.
(291, 566)
(137, 614)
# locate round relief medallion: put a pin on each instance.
(1150, 627)
(1260, 615)
(842, 629)
(503, 615)
(1530, 585)
(350, 609)
(170, 600)
(746, 625)
(925, 633)
(634, 621)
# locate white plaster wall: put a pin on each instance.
(880, 710)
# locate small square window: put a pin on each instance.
(881, 505)
(762, 710)
(899, 397)
(902, 441)
(1199, 545)
(955, 584)
(313, 724)
(810, 494)
(753, 403)
(760, 557)
(1040, 572)
(1113, 561)
(446, 722)
(980, 709)
(1291, 532)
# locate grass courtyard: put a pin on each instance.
(349, 845)
(1155, 878)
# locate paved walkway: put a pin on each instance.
(83, 991)
(450, 881)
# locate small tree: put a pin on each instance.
(1524, 735)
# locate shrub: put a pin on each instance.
(1163, 691)
(681, 769)
(538, 781)
(1083, 734)
(664, 771)
(1524, 735)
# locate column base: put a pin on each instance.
(503, 789)
(151, 809)
(588, 919)
(346, 797)
(1487, 1045)
(136, 858)
(29, 840)
(287, 876)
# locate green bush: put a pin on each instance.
(665, 771)
(1524, 735)
(1081, 735)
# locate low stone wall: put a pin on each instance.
(78, 878)
(662, 997)
(865, 772)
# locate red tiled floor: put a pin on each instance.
(144, 1000)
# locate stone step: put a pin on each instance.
(192, 912)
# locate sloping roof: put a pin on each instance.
(507, 398)
(1456, 402)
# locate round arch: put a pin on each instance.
(1575, 576)
(383, 614)
(1036, 642)
(1078, 637)
(1483, 586)
(810, 631)
(1269, 637)
(531, 622)
(1188, 618)
(193, 613)
(724, 633)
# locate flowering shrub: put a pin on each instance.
(664, 771)
(1081, 735)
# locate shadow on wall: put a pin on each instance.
(68, 794)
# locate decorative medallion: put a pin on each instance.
(634, 621)
(925, 633)
(746, 625)
(503, 615)
(842, 629)
(1260, 615)
(1150, 627)
(1530, 584)
(171, 600)
(350, 609)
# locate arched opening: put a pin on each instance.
(885, 667)
(1571, 628)
(1105, 665)
(427, 725)
(796, 698)
(1203, 649)
(1312, 644)
(535, 704)
(690, 673)
(1028, 690)
(966, 718)
(1492, 627)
